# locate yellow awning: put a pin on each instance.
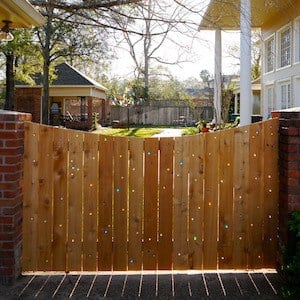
(226, 14)
(21, 13)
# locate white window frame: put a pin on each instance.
(282, 49)
(285, 89)
(296, 34)
(268, 55)
(271, 101)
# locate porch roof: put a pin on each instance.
(226, 14)
(21, 13)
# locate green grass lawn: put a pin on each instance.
(133, 132)
(142, 132)
(190, 130)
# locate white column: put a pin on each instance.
(218, 77)
(245, 99)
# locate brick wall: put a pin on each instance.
(28, 100)
(11, 197)
(289, 169)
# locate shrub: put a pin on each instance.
(291, 268)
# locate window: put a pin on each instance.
(286, 99)
(285, 47)
(297, 40)
(271, 99)
(270, 54)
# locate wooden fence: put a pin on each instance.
(95, 202)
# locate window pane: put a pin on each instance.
(285, 47)
(270, 55)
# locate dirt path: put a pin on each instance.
(169, 132)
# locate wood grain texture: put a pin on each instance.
(165, 243)
(60, 198)
(101, 203)
(136, 192)
(150, 204)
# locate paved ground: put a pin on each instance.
(146, 286)
(169, 132)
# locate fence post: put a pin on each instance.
(289, 170)
(11, 195)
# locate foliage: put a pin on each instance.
(128, 97)
(205, 77)
(160, 89)
(201, 124)
(291, 268)
(95, 125)
(190, 131)
(146, 27)
(22, 61)
(167, 89)
(234, 52)
(27, 59)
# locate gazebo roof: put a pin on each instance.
(67, 76)
(70, 76)
(226, 14)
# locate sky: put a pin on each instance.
(202, 58)
(200, 55)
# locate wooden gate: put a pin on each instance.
(95, 202)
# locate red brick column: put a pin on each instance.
(11, 197)
(289, 168)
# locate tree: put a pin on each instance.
(21, 61)
(157, 23)
(60, 40)
(234, 52)
(205, 77)
(63, 22)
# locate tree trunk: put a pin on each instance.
(45, 97)
(146, 77)
(10, 82)
(46, 67)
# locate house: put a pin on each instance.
(256, 97)
(279, 21)
(202, 102)
(74, 97)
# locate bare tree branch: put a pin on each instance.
(91, 4)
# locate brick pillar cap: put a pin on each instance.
(6, 115)
(287, 113)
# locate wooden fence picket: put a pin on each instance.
(211, 191)
(120, 210)
(225, 247)
(75, 208)
(31, 196)
(90, 202)
(45, 218)
(60, 198)
(105, 203)
(136, 191)
(165, 243)
(196, 202)
(150, 204)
